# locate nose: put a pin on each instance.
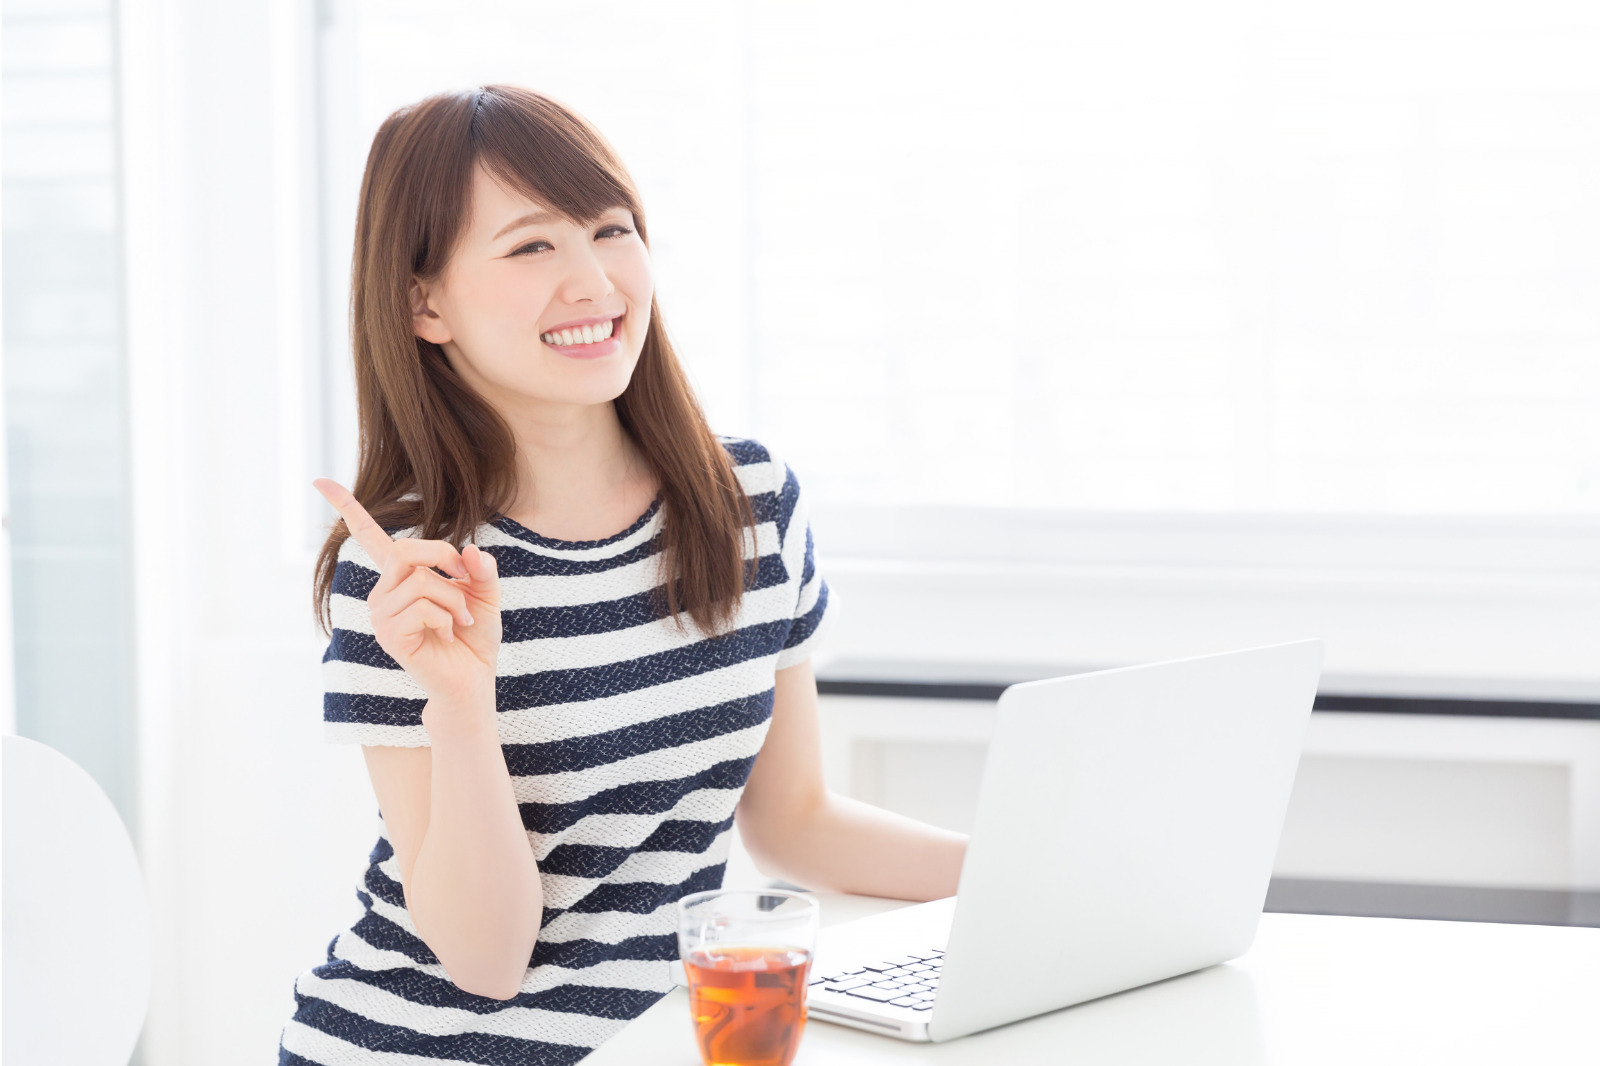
(586, 279)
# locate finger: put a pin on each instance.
(485, 571)
(424, 584)
(408, 552)
(480, 564)
(424, 615)
(366, 532)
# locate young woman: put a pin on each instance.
(563, 718)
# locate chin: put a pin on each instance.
(593, 383)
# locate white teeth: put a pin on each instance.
(580, 335)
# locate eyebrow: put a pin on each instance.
(538, 218)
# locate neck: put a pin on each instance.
(579, 475)
(570, 460)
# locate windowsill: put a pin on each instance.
(908, 679)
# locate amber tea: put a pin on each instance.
(748, 1004)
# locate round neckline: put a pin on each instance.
(510, 525)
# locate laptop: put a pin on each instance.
(1125, 834)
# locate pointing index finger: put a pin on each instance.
(366, 532)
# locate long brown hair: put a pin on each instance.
(436, 456)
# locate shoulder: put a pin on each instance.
(770, 484)
(356, 571)
(758, 469)
(351, 550)
(353, 553)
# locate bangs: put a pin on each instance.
(550, 155)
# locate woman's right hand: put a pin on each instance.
(444, 633)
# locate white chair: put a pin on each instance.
(76, 926)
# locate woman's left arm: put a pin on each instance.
(796, 829)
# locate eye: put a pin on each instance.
(615, 229)
(531, 246)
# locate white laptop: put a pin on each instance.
(1125, 834)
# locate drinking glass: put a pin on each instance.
(747, 953)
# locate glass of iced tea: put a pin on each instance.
(747, 954)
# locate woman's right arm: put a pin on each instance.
(469, 877)
(470, 881)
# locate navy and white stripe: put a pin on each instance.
(629, 741)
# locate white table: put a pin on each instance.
(1313, 989)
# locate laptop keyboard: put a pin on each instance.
(903, 981)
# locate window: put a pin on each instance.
(1156, 256)
(1139, 329)
(65, 391)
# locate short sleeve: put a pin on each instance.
(811, 612)
(367, 697)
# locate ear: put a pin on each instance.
(425, 321)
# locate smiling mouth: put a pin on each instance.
(584, 336)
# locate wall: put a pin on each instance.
(1419, 799)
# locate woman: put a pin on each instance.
(564, 718)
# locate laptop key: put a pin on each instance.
(881, 995)
(898, 971)
(903, 1001)
(845, 986)
(879, 967)
(923, 1006)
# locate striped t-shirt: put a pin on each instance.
(628, 740)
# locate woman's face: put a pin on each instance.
(511, 306)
